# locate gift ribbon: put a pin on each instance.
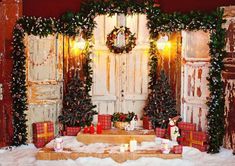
(191, 141)
(46, 134)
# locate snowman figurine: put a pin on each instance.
(174, 130)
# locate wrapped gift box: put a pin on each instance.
(177, 149)
(160, 132)
(72, 131)
(105, 121)
(185, 135)
(202, 148)
(147, 123)
(195, 139)
(43, 132)
(187, 126)
(200, 136)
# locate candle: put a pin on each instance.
(86, 130)
(126, 146)
(58, 145)
(92, 129)
(133, 145)
(122, 148)
(165, 147)
(99, 129)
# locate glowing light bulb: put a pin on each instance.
(162, 42)
(80, 43)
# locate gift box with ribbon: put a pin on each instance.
(105, 121)
(186, 126)
(43, 132)
(195, 139)
(160, 132)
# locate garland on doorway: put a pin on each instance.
(83, 22)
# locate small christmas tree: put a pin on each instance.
(161, 105)
(78, 109)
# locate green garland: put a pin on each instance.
(83, 22)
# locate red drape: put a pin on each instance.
(55, 8)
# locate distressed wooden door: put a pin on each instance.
(229, 78)
(120, 80)
(194, 89)
(44, 79)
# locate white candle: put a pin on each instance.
(126, 146)
(133, 145)
(122, 148)
(58, 145)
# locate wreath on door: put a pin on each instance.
(130, 40)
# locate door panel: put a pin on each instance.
(120, 80)
(44, 79)
(229, 78)
(195, 63)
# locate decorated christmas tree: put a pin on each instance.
(78, 109)
(160, 103)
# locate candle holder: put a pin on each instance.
(58, 145)
(165, 147)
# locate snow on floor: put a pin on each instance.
(25, 156)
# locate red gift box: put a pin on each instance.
(195, 139)
(202, 148)
(43, 132)
(187, 126)
(147, 123)
(200, 136)
(72, 131)
(105, 121)
(177, 149)
(185, 135)
(160, 132)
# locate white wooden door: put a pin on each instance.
(120, 80)
(194, 89)
(44, 79)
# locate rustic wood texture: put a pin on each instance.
(44, 79)
(115, 136)
(10, 11)
(121, 80)
(194, 85)
(49, 154)
(229, 78)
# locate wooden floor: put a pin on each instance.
(116, 136)
(50, 154)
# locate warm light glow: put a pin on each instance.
(80, 43)
(162, 42)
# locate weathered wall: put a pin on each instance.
(229, 78)
(10, 11)
(44, 79)
(195, 62)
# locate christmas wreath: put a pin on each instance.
(130, 40)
